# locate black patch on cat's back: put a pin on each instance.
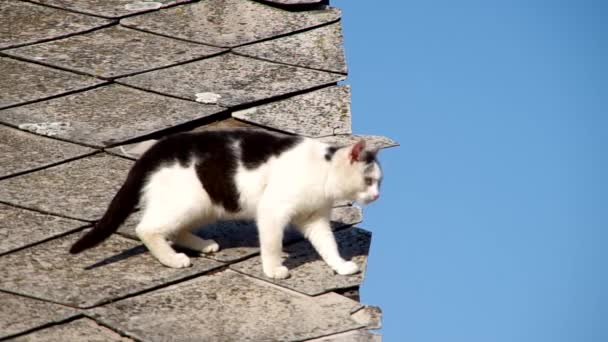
(258, 146)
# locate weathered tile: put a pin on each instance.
(310, 274)
(360, 335)
(19, 314)
(228, 305)
(239, 239)
(24, 82)
(25, 23)
(294, 2)
(320, 48)
(113, 52)
(116, 268)
(110, 8)
(314, 114)
(80, 189)
(370, 316)
(81, 330)
(108, 114)
(236, 79)
(20, 227)
(22, 151)
(372, 141)
(228, 23)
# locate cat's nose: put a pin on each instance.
(375, 197)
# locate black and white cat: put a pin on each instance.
(188, 180)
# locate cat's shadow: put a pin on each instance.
(237, 234)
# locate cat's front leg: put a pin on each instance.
(318, 232)
(271, 224)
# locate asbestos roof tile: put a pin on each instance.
(234, 80)
(311, 275)
(24, 82)
(108, 114)
(373, 141)
(81, 330)
(20, 227)
(228, 305)
(228, 23)
(19, 314)
(360, 335)
(113, 52)
(320, 48)
(25, 23)
(116, 268)
(317, 113)
(110, 8)
(79, 189)
(22, 151)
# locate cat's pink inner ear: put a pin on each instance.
(355, 152)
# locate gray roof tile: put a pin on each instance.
(238, 80)
(20, 227)
(108, 114)
(110, 8)
(373, 141)
(81, 330)
(22, 151)
(24, 82)
(228, 305)
(113, 52)
(318, 113)
(310, 274)
(19, 314)
(25, 23)
(80, 189)
(319, 48)
(228, 23)
(116, 268)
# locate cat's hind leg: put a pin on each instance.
(160, 248)
(187, 239)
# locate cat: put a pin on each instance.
(187, 180)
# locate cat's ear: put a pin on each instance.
(356, 151)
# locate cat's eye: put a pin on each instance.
(369, 181)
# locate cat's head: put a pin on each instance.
(356, 174)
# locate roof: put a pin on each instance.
(87, 85)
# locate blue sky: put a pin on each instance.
(493, 222)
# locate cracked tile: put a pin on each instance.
(238, 80)
(80, 189)
(24, 82)
(116, 268)
(239, 239)
(19, 314)
(311, 275)
(81, 330)
(229, 23)
(23, 151)
(210, 308)
(320, 48)
(360, 335)
(108, 114)
(110, 8)
(372, 141)
(317, 113)
(25, 23)
(113, 52)
(20, 227)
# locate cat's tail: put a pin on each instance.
(120, 208)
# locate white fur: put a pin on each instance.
(298, 187)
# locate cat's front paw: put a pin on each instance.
(347, 267)
(211, 247)
(279, 272)
(179, 260)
